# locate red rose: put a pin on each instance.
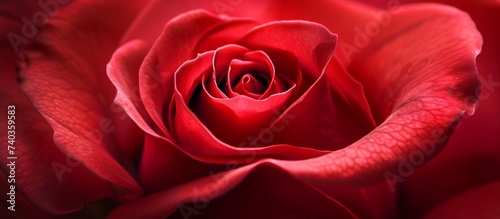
(242, 110)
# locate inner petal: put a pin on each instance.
(242, 93)
(251, 85)
(248, 78)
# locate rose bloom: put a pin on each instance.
(250, 109)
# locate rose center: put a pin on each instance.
(249, 75)
(250, 84)
(250, 78)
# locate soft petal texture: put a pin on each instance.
(311, 43)
(73, 140)
(54, 192)
(471, 157)
(40, 161)
(351, 92)
(148, 26)
(264, 187)
(123, 70)
(481, 202)
(59, 187)
(207, 148)
(161, 162)
(25, 209)
(425, 105)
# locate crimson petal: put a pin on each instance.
(160, 162)
(459, 166)
(265, 187)
(123, 70)
(177, 44)
(246, 115)
(74, 100)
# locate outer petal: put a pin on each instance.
(45, 176)
(471, 157)
(123, 71)
(351, 92)
(423, 102)
(25, 209)
(64, 93)
(264, 187)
